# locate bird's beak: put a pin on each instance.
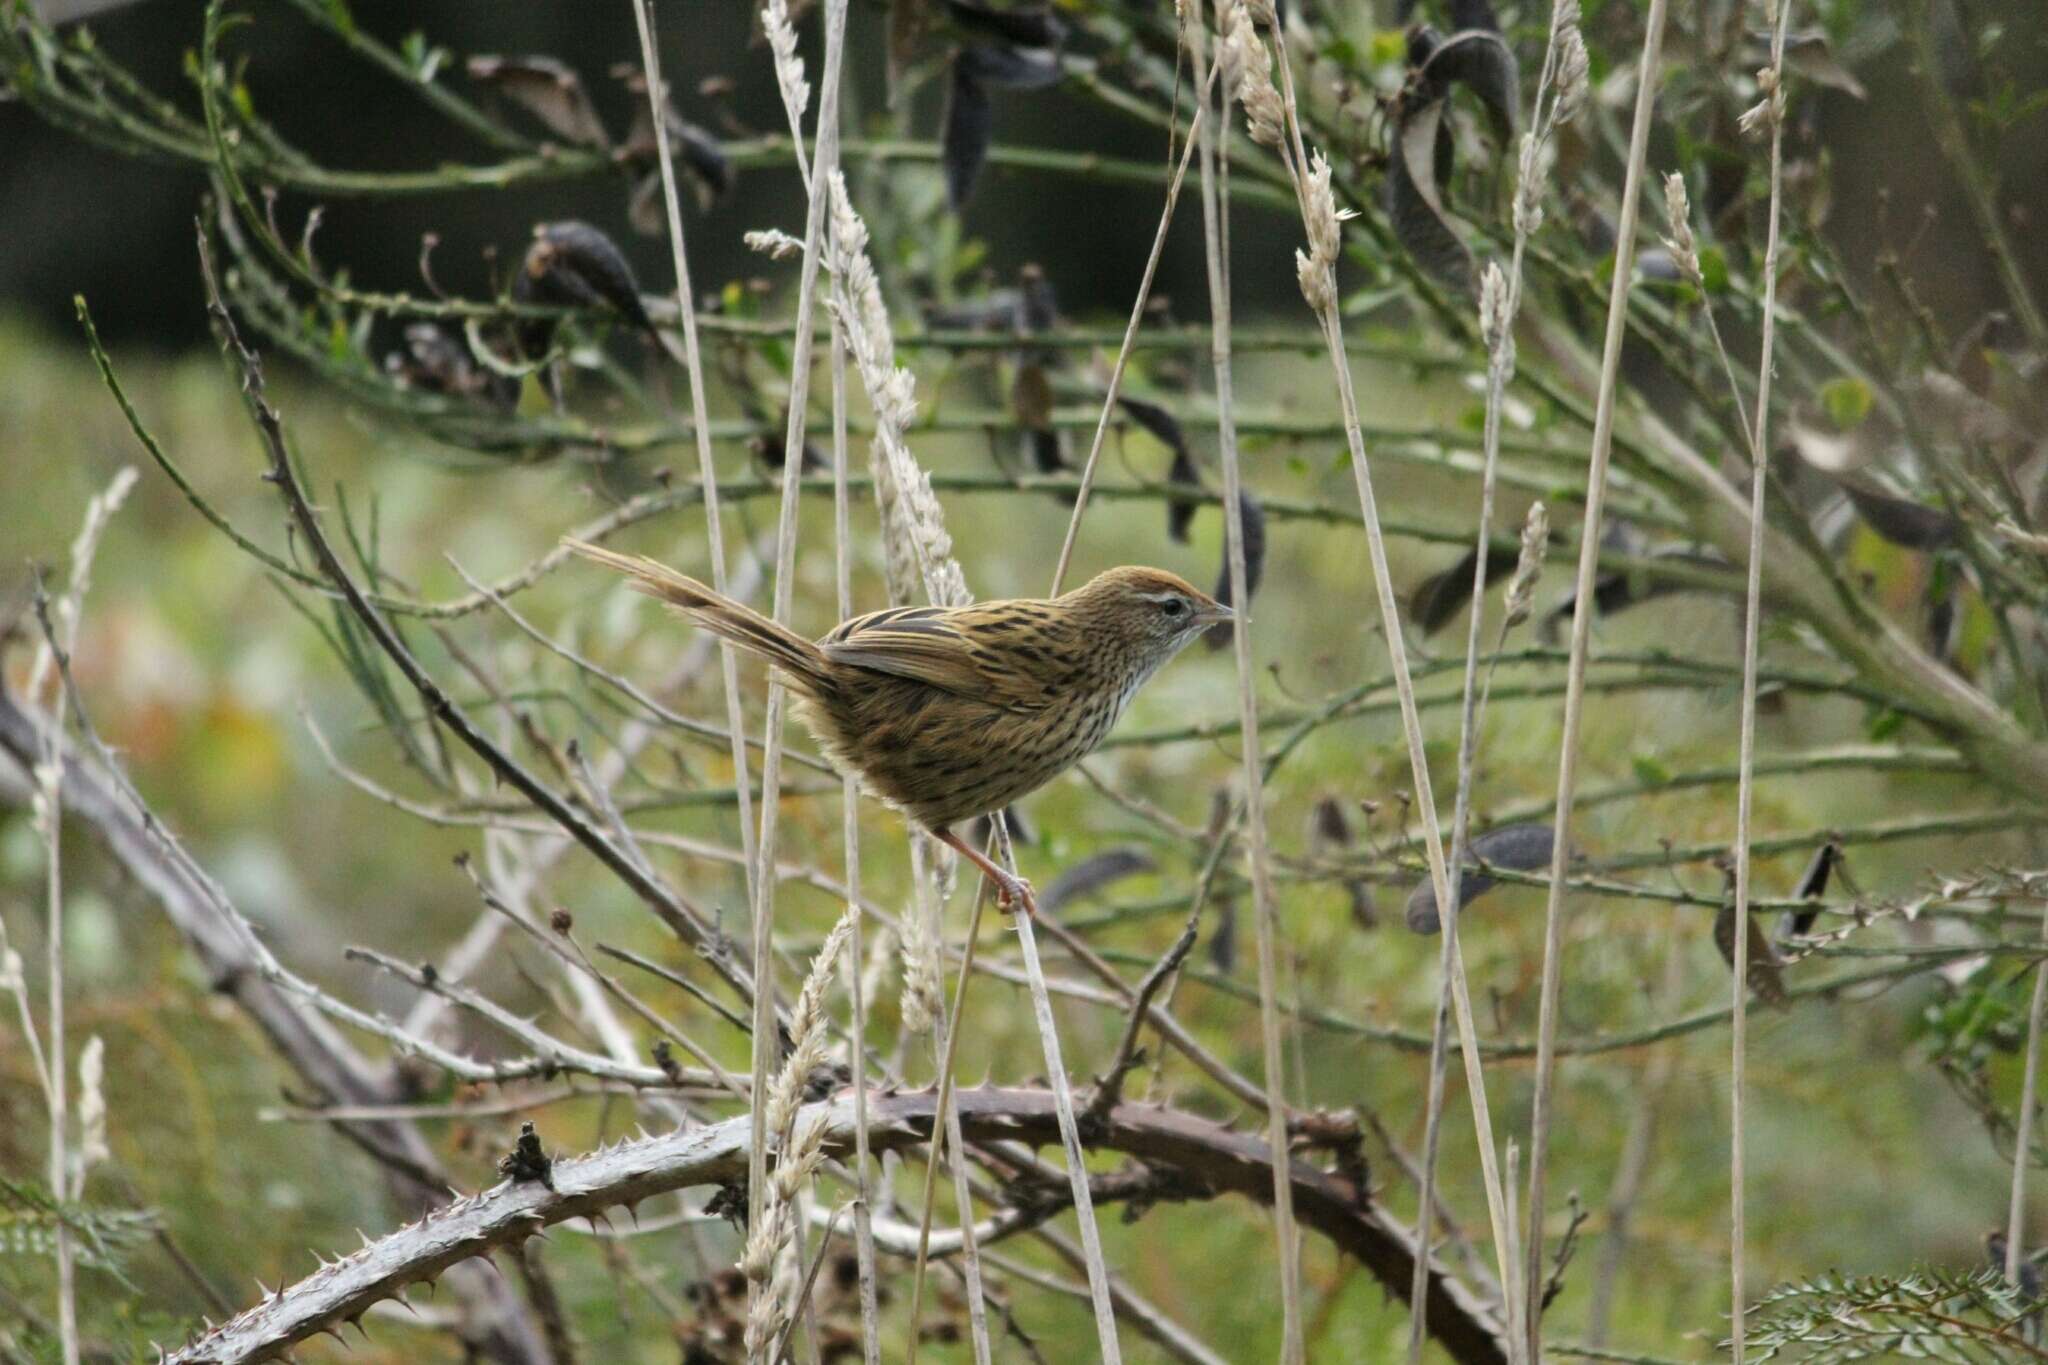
(1215, 614)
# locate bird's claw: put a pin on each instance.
(1015, 894)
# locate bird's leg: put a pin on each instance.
(1012, 891)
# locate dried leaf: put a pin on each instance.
(1183, 474)
(573, 264)
(1254, 518)
(549, 90)
(1038, 308)
(1223, 938)
(908, 21)
(1831, 452)
(1766, 975)
(1910, 524)
(1514, 848)
(437, 359)
(1020, 26)
(1091, 875)
(1328, 825)
(1007, 68)
(703, 159)
(1439, 598)
(964, 144)
(1031, 397)
(1021, 831)
(1482, 63)
(1620, 590)
(1813, 884)
(1474, 14)
(1421, 156)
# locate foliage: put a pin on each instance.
(1903, 679)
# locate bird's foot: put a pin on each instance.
(1013, 893)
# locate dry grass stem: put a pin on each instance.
(795, 91)
(849, 813)
(915, 539)
(1564, 72)
(53, 651)
(1215, 212)
(1647, 79)
(1772, 83)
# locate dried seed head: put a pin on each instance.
(1529, 567)
(10, 971)
(1683, 247)
(807, 1028)
(1263, 12)
(1248, 68)
(1316, 269)
(1324, 221)
(1574, 68)
(1318, 282)
(1529, 187)
(92, 1106)
(923, 999)
(1770, 109)
(1563, 15)
(913, 523)
(789, 68)
(1493, 307)
(773, 243)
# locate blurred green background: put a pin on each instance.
(198, 668)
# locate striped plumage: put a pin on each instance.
(947, 713)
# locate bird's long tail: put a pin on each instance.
(798, 658)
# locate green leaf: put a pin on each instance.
(1649, 770)
(1846, 402)
(1714, 269)
(1883, 724)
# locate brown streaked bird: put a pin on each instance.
(947, 713)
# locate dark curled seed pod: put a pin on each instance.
(1765, 974)
(1183, 474)
(963, 146)
(1254, 517)
(1513, 848)
(1439, 598)
(1019, 26)
(1091, 875)
(1813, 884)
(1223, 938)
(574, 265)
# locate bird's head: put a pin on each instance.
(1151, 612)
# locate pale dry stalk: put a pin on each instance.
(914, 534)
(1564, 68)
(769, 1263)
(1321, 226)
(824, 164)
(700, 422)
(849, 814)
(1771, 81)
(61, 634)
(1575, 675)
(1215, 211)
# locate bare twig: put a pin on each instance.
(1207, 1154)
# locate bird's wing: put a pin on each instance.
(929, 645)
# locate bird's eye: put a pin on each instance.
(1174, 608)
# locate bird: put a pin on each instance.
(949, 713)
